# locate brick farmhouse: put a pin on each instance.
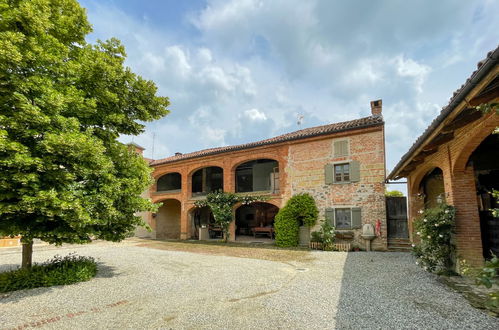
(456, 160)
(341, 165)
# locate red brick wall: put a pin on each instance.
(306, 173)
(307, 157)
(459, 183)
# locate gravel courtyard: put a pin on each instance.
(157, 286)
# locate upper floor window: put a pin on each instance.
(206, 180)
(342, 173)
(340, 148)
(258, 175)
(169, 182)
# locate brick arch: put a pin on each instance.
(200, 167)
(473, 141)
(237, 163)
(274, 202)
(163, 199)
(158, 175)
(416, 182)
(168, 219)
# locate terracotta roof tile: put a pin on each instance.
(297, 135)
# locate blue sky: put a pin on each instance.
(241, 71)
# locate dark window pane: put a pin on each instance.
(343, 219)
(167, 182)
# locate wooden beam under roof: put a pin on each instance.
(424, 154)
(488, 94)
(465, 117)
(439, 140)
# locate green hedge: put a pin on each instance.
(299, 210)
(57, 271)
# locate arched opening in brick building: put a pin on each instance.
(258, 175)
(432, 188)
(203, 226)
(485, 162)
(206, 180)
(168, 220)
(255, 220)
(171, 182)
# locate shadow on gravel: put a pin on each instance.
(387, 290)
(105, 271)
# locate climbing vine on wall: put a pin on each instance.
(221, 205)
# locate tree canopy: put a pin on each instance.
(63, 104)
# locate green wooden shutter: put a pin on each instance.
(356, 218)
(329, 173)
(330, 216)
(340, 148)
(354, 171)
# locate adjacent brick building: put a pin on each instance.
(456, 160)
(341, 165)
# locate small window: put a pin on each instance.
(340, 148)
(343, 218)
(342, 173)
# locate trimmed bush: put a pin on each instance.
(57, 271)
(299, 210)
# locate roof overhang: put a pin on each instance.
(481, 87)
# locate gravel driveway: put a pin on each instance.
(141, 287)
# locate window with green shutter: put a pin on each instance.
(356, 218)
(329, 215)
(354, 171)
(342, 172)
(340, 148)
(328, 173)
(344, 218)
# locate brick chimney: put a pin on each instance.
(376, 107)
(135, 147)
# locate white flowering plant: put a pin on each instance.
(434, 228)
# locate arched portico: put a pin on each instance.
(257, 175)
(255, 219)
(168, 219)
(206, 180)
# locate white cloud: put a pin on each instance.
(255, 114)
(323, 59)
(410, 68)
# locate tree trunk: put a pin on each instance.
(27, 255)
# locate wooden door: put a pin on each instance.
(396, 214)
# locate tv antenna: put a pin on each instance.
(300, 119)
(152, 149)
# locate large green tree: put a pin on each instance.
(64, 177)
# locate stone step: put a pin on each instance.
(399, 249)
(399, 245)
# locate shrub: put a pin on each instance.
(394, 193)
(488, 277)
(299, 210)
(434, 227)
(57, 271)
(286, 228)
(325, 236)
